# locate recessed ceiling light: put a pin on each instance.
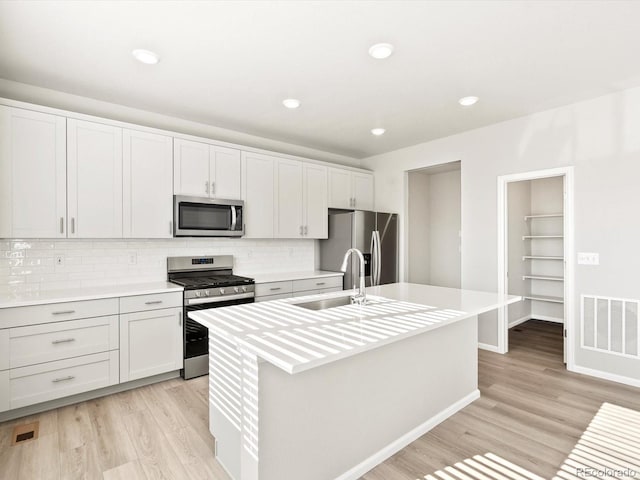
(381, 50)
(378, 131)
(146, 56)
(291, 102)
(468, 101)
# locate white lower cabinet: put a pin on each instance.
(297, 288)
(150, 343)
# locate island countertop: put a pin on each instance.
(296, 339)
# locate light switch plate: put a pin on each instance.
(588, 258)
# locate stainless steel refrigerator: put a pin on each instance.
(375, 234)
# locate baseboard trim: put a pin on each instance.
(491, 348)
(547, 318)
(520, 320)
(397, 445)
(634, 382)
(82, 397)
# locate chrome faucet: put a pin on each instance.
(361, 297)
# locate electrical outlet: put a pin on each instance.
(133, 258)
(588, 258)
(59, 260)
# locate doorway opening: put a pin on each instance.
(433, 225)
(535, 245)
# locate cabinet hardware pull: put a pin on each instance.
(273, 289)
(62, 379)
(63, 340)
(63, 312)
(170, 227)
(73, 225)
(154, 302)
(180, 318)
(354, 201)
(61, 224)
(320, 283)
(206, 187)
(300, 230)
(306, 229)
(213, 188)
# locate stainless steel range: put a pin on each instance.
(208, 283)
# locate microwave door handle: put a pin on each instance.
(234, 217)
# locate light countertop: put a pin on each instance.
(87, 293)
(284, 276)
(297, 339)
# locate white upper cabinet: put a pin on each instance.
(202, 170)
(147, 185)
(225, 173)
(32, 174)
(362, 190)
(190, 168)
(348, 189)
(315, 219)
(258, 194)
(94, 180)
(289, 199)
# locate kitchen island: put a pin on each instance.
(316, 388)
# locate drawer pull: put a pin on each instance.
(63, 340)
(273, 289)
(320, 283)
(63, 312)
(63, 379)
(154, 302)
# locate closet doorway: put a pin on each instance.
(535, 255)
(433, 225)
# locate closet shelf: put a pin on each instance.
(525, 237)
(541, 257)
(553, 278)
(544, 298)
(547, 215)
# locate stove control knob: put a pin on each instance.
(236, 289)
(222, 291)
(198, 293)
(244, 289)
(206, 293)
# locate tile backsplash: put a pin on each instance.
(37, 265)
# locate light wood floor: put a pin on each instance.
(532, 412)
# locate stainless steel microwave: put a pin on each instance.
(207, 217)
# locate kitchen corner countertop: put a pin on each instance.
(285, 276)
(296, 339)
(88, 293)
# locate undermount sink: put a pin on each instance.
(333, 302)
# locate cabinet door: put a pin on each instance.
(147, 185)
(190, 168)
(94, 180)
(225, 173)
(258, 194)
(289, 195)
(33, 178)
(315, 201)
(340, 188)
(150, 343)
(362, 190)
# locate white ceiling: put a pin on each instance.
(230, 64)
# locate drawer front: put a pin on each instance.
(267, 298)
(143, 303)
(59, 340)
(273, 288)
(316, 292)
(56, 312)
(317, 283)
(48, 381)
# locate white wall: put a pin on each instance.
(444, 228)
(66, 101)
(419, 269)
(30, 265)
(600, 138)
(518, 205)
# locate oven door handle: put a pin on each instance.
(234, 218)
(221, 298)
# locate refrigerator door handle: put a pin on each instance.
(372, 249)
(378, 257)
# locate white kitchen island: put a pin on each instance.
(321, 394)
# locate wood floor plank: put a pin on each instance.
(128, 471)
(41, 459)
(80, 463)
(74, 426)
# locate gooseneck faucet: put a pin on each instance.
(361, 297)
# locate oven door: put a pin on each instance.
(204, 217)
(196, 337)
